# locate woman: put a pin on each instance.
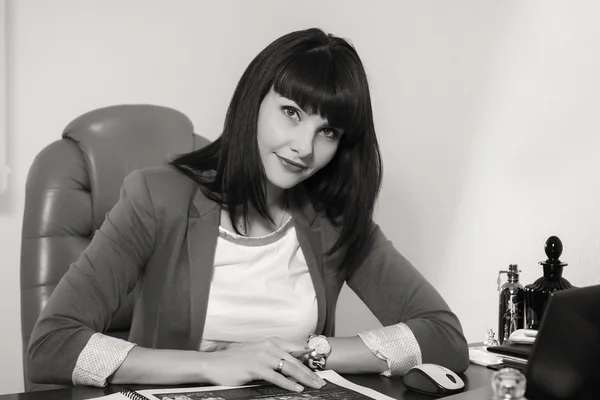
(241, 249)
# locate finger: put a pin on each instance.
(300, 354)
(283, 348)
(293, 368)
(275, 378)
(285, 345)
(289, 358)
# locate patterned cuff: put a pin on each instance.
(99, 359)
(395, 344)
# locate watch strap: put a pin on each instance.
(316, 363)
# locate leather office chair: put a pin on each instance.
(74, 182)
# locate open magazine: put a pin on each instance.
(336, 388)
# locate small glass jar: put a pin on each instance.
(509, 384)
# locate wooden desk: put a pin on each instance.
(477, 380)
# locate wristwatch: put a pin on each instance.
(321, 349)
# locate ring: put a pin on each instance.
(280, 365)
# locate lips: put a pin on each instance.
(291, 165)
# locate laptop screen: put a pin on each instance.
(565, 359)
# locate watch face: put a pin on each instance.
(320, 345)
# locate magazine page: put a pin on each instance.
(336, 388)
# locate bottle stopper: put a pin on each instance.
(553, 249)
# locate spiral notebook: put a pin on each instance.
(336, 388)
(128, 394)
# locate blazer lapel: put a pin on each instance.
(202, 234)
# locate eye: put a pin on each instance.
(330, 133)
(291, 112)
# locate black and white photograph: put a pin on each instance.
(316, 199)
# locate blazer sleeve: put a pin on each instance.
(397, 293)
(95, 286)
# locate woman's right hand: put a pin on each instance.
(242, 363)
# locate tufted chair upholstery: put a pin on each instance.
(74, 182)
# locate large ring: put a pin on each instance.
(280, 365)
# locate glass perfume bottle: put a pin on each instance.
(508, 384)
(511, 304)
(538, 293)
(490, 338)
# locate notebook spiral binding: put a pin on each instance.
(132, 394)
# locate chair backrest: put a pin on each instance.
(72, 185)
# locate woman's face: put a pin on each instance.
(293, 145)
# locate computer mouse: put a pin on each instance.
(433, 379)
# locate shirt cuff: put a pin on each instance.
(99, 359)
(395, 344)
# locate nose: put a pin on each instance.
(302, 144)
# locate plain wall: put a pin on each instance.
(486, 113)
(3, 168)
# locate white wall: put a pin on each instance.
(485, 112)
(3, 167)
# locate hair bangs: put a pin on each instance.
(321, 84)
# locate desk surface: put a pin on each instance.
(477, 381)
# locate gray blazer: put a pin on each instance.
(163, 232)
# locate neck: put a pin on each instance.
(275, 196)
(276, 206)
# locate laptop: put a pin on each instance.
(564, 361)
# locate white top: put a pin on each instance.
(261, 287)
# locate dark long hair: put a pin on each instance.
(323, 74)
